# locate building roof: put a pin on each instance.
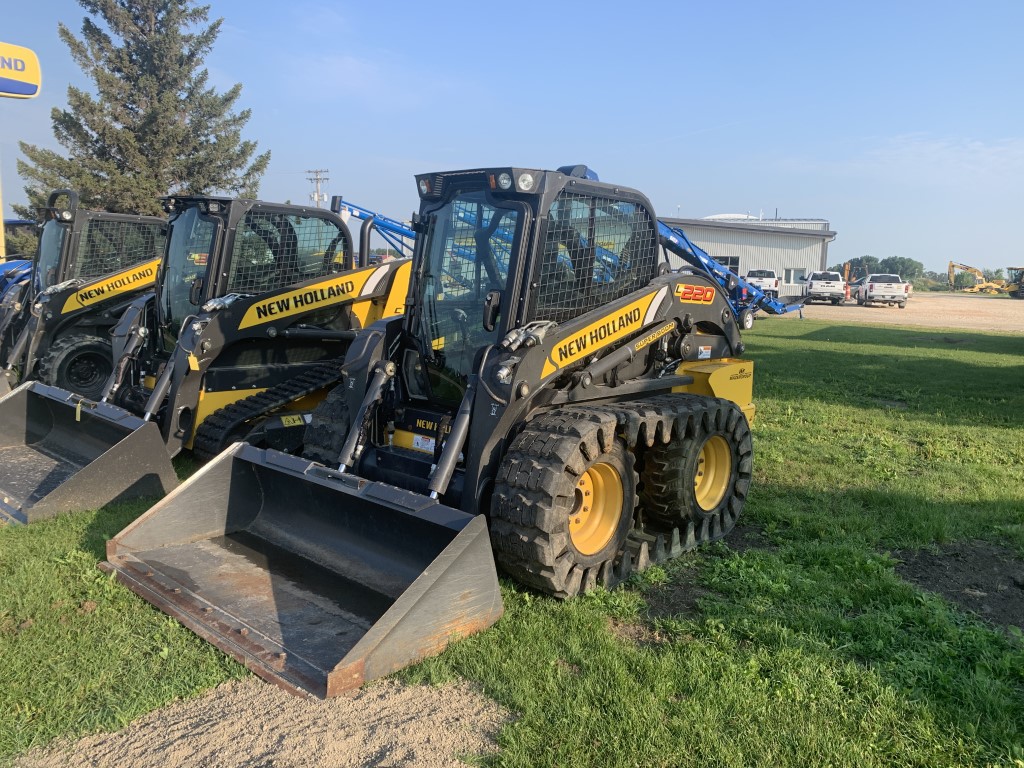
(799, 227)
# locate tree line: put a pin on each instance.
(908, 269)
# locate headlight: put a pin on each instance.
(424, 187)
(504, 181)
(526, 182)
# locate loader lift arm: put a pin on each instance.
(675, 240)
(397, 235)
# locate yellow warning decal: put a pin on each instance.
(126, 281)
(334, 290)
(599, 334)
(292, 421)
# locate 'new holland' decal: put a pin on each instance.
(326, 293)
(126, 281)
(607, 330)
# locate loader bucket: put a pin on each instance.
(315, 580)
(60, 453)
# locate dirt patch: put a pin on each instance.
(681, 597)
(980, 577)
(746, 536)
(933, 310)
(251, 724)
(638, 634)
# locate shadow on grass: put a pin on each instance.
(944, 389)
(896, 337)
(838, 597)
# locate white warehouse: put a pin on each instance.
(792, 247)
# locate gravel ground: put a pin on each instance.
(251, 724)
(961, 311)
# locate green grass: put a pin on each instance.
(81, 653)
(810, 652)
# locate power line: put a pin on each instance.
(318, 177)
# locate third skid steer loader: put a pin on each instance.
(255, 307)
(554, 401)
(55, 319)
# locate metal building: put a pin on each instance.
(792, 247)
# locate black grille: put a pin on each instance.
(110, 246)
(274, 250)
(596, 250)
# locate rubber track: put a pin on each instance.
(212, 434)
(642, 424)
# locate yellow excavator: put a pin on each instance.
(555, 402)
(981, 285)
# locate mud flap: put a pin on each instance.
(317, 581)
(61, 453)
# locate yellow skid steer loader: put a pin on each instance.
(255, 306)
(554, 403)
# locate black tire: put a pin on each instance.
(701, 477)
(328, 427)
(903, 305)
(746, 319)
(563, 502)
(78, 363)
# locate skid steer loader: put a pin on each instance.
(554, 401)
(255, 307)
(55, 321)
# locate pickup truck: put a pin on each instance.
(825, 286)
(883, 289)
(765, 279)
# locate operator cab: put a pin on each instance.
(498, 252)
(267, 248)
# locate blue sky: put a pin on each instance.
(902, 123)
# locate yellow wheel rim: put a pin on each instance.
(598, 509)
(714, 470)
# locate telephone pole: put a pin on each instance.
(318, 177)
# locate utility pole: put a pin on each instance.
(318, 177)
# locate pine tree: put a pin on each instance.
(155, 126)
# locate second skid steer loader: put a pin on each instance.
(554, 401)
(255, 307)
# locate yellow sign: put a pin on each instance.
(597, 335)
(20, 76)
(126, 281)
(326, 293)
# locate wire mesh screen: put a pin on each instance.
(596, 250)
(274, 250)
(106, 247)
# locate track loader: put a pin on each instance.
(554, 402)
(55, 320)
(255, 307)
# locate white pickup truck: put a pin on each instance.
(765, 279)
(885, 289)
(825, 286)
